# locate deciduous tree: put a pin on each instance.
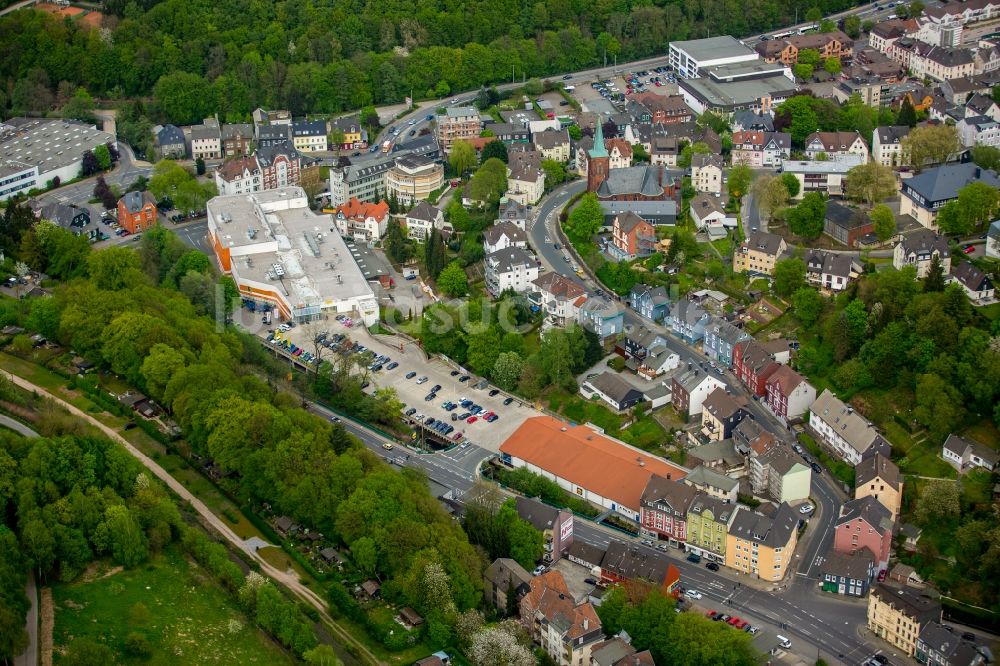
(885, 222)
(789, 276)
(871, 183)
(453, 281)
(462, 157)
(930, 144)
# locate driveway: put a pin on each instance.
(30, 655)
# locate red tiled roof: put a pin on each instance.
(583, 456)
(360, 210)
(234, 169)
(549, 596)
(786, 379)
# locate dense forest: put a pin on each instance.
(197, 57)
(138, 314)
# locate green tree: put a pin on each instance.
(453, 281)
(907, 114)
(585, 220)
(832, 65)
(121, 535)
(871, 183)
(336, 140)
(826, 26)
(80, 106)
(798, 116)
(807, 218)
(792, 185)
(199, 166)
(462, 157)
(803, 71)
(103, 156)
(434, 254)
(489, 181)
(930, 144)
(483, 348)
(507, 370)
(160, 365)
(739, 180)
(85, 652)
(556, 358)
(977, 204)
(555, 173)
(493, 150)
(885, 222)
(813, 15)
(575, 132)
(852, 26)
(789, 276)
(113, 268)
(770, 194)
(934, 282)
(365, 555)
(689, 151)
(321, 655)
(939, 501)
(184, 98)
(986, 157)
(395, 243)
(807, 303)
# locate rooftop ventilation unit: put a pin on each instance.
(278, 269)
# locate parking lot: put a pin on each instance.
(410, 359)
(586, 93)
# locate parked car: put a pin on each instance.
(816, 468)
(411, 375)
(422, 380)
(806, 509)
(693, 594)
(392, 366)
(508, 401)
(712, 566)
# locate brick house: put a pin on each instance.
(788, 393)
(632, 237)
(754, 365)
(137, 211)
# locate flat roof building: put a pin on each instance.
(755, 86)
(690, 57)
(280, 252)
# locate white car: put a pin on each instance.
(693, 594)
(412, 122)
(806, 509)
(422, 380)
(539, 570)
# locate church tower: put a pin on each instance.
(597, 160)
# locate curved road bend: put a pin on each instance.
(289, 579)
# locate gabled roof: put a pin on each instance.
(629, 221)
(941, 183)
(722, 512)
(702, 160)
(891, 134)
(232, 130)
(925, 242)
(678, 496)
(843, 420)
(857, 565)
(512, 210)
(234, 169)
(869, 510)
(583, 456)
(643, 180)
(770, 532)
(360, 210)
(169, 135)
(722, 405)
(749, 434)
(541, 516)
(959, 445)
(613, 386)
(971, 277)
(628, 561)
(833, 142)
(423, 211)
(549, 597)
(136, 201)
(845, 217)
(559, 286)
(916, 606)
(761, 241)
(877, 466)
(703, 205)
(514, 233)
(506, 260)
(702, 477)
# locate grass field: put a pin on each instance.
(185, 617)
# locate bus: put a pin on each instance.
(782, 35)
(806, 28)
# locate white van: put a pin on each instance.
(783, 642)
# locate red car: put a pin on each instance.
(733, 620)
(740, 624)
(711, 614)
(472, 419)
(969, 249)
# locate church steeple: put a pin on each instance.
(599, 150)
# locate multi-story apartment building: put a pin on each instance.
(843, 430)
(238, 176)
(708, 521)
(237, 139)
(457, 122)
(758, 253)
(413, 178)
(309, 136)
(567, 631)
(206, 140)
(362, 220)
(887, 145)
(512, 268)
(761, 546)
(919, 248)
(706, 173)
(836, 144)
(137, 212)
(664, 508)
(897, 615)
(878, 477)
(280, 166)
(757, 149)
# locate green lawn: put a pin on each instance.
(188, 618)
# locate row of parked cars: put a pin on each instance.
(278, 339)
(732, 621)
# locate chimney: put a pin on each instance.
(586, 624)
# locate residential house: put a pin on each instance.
(506, 582)
(833, 44)
(650, 302)
(689, 390)
(706, 173)
(878, 477)
(753, 364)
(898, 615)
(849, 574)
(657, 213)
(632, 237)
(553, 145)
(835, 145)
(280, 166)
(664, 151)
(824, 176)
(510, 133)
(640, 343)
(977, 285)
(602, 317)
(761, 149)
(617, 393)
(747, 120)
(778, 473)
(263, 118)
(843, 430)
(413, 177)
(618, 651)
(721, 338)
(993, 240)
(942, 645)
(237, 140)
(457, 122)
(585, 554)
(559, 297)
(556, 526)
(509, 269)
(831, 271)
(906, 575)
(361, 220)
(658, 360)
(70, 218)
(137, 212)
(964, 454)
(422, 219)
(708, 212)
(169, 142)
(687, 320)
(238, 176)
(919, 248)
(864, 523)
(270, 136)
(665, 109)
(564, 629)
(923, 195)
(503, 235)
(525, 180)
(708, 521)
(758, 253)
(309, 136)
(887, 145)
(664, 507)
(979, 131)
(619, 153)
(762, 546)
(846, 225)
(720, 456)
(206, 140)
(721, 413)
(513, 212)
(980, 104)
(714, 484)
(355, 135)
(625, 562)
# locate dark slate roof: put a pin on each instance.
(763, 242)
(627, 561)
(924, 242)
(749, 120)
(856, 566)
(971, 277)
(643, 180)
(169, 135)
(868, 509)
(845, 217)
(891, 133)
(266, 155)
(613, 386)
(423, 211)
(541, 516)
(943, 182)
(134, 201)
(586, 552)
(675, 494)
(877, 466)
(913, 605)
